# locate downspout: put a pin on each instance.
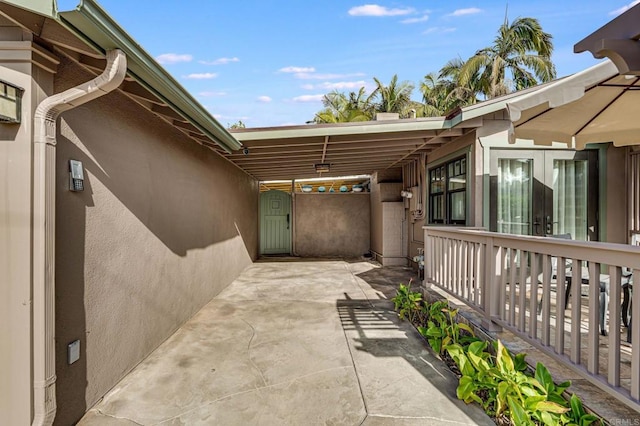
(44, 161)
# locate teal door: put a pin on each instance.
(275, 222)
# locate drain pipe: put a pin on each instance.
(44, 161)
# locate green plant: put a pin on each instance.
(578, 416)
(505, 386)
(442, 328)
(408, 303)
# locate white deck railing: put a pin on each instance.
(493, 273)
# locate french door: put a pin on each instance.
(544, 192)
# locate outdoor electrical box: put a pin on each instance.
(76, 176)
(73, 352)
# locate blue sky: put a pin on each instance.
(269, 62)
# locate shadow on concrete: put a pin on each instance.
(386, 279)
(374, 330)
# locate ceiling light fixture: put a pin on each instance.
(322, 167)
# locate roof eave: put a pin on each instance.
(91, 24)
(343, 129)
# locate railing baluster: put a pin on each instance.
(512, 287)
(465, 269)
(614, 325)
(546, 300)
(471, 266)
(522, 288)
(454, 266)
(594, 315)
(478, 279)
(533, 297)
(561, 303)
(447, 269)
(576, 309)
(503, 282)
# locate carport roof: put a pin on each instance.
(350, 148)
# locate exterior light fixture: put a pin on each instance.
(322, 167)
(10, 103)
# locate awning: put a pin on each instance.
(593, 106)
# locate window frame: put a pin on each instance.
(447, 172)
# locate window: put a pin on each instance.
(448, 192)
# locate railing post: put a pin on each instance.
(490, 287)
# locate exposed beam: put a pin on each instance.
(324, 149)
(313, 160)
(167, 112)
(334, 147)
(134, 89)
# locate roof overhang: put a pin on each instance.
(617, 40)
(94, 32)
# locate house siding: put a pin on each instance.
(162, 226)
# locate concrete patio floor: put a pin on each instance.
(293, 343)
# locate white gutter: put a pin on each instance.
(44, 366)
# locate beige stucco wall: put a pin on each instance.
(162, 226)
(16, 151)
(332, 224)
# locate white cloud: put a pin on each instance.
(315, 76)
(201, 76)
(377, 10)
(220, 61)
(344, 85)
(212, 94)
(439, 30)
(308, 98)
(297, 69)
(264, 99)
(624, 8)
(308, 86)
(173, 58)
(468, 11)
(424, 18)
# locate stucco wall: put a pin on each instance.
(332, 224)
(16, 163)
(162, 227)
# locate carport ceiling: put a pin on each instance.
(350, 148)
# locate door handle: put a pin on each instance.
(549, 226)
(536, 224)
(287, 220)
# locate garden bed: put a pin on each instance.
(509, 390)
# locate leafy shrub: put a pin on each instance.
(442, 328)
(407, 303)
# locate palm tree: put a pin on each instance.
(521, 48)
(396, 97)
(435, 93)
(444, 92)
(341, 108)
